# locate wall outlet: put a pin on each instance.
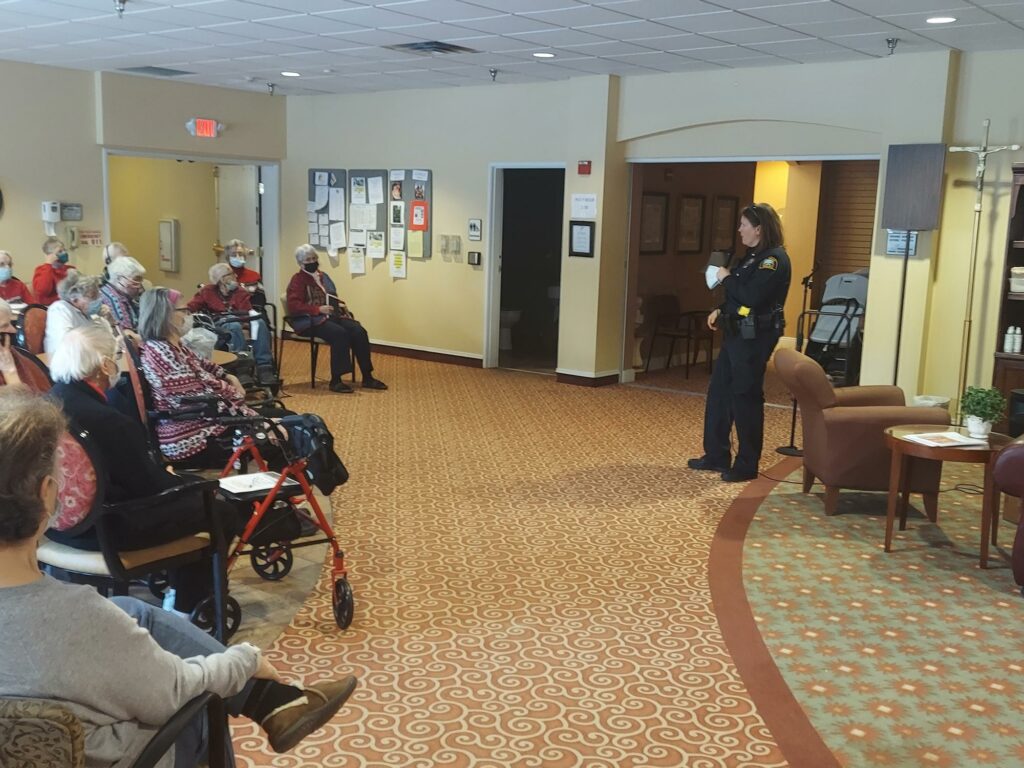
(474, 258)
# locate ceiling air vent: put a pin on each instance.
(155, 71)
(427, 47)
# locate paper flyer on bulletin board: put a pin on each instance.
(325, 210)
(367, 208)
(414, 188)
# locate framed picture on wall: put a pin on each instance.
(690, 224)
(724, 223)
(653, 222)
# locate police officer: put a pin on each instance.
(752, 319)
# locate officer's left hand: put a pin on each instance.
(723, 273)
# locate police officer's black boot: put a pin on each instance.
(705, 463)
(738, 475)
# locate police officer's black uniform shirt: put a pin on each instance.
(760, 282)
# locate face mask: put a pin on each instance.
(185, 326)
(94, 307)
(311, 267)
(236, 261)
(230, 285)
(5, 274)
(62, 257)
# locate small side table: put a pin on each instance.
(903, 450)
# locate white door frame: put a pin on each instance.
(270, 204)
(492, 265)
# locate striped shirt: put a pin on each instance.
(124, 308)
(176, 372)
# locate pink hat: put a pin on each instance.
(173, 295)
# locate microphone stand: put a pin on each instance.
(808, 283)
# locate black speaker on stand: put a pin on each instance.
(912, 201)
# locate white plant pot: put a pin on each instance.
(976, 427)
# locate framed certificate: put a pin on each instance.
(581, 238)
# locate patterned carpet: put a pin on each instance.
(911, 658)
(674, 378)
(530, 568)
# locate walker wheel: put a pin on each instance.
(203, 616)
(157, 583)
(272, 562)
(343, 602)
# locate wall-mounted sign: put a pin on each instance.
(70, 211)
(204, 128)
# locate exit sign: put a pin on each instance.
(204, 127)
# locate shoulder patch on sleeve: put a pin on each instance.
(770, 263)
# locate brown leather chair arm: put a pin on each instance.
(875, 418)
(876, 394)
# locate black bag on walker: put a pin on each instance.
(312, 440)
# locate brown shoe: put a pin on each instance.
(290, 725)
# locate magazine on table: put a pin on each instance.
(946, 440)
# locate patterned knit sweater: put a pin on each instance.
(177, 372)
(124, 308)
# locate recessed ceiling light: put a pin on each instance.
(544, 55)
(941, 20)
(290, 74)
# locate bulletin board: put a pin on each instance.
(413, 189)
(325, 208)
(367, 223)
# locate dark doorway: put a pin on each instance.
(531, 268)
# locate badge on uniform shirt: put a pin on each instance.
(770, 263)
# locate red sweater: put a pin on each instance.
(45, 279)
(247, 276)
(210, 299)
(14, 289)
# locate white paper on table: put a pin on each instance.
(396, 263)
(322, 219)
(321, 198)
(358, 237)
(584, 206)
(336, 204)
(363, 217)
(320, 178)
(375, 245)
(356, 261)
(420, 175)
(314, 228)
(375, 189)
(311, 216)
(359, 190)
(397, 174)
(711, 276)
(337, 235)
(397, 239)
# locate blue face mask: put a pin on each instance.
(5, 274)
(237, 261)
(62, 257)
(94, 307)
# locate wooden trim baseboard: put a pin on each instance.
(587, 381)
(421, 354)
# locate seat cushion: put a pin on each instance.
(39, 734)
(91, 563)
(76, 491)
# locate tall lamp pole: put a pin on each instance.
(982, 154)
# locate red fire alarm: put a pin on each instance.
(583, 167)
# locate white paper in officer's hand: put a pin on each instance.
(711, 276)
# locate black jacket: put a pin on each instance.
(131, 473)
(760, 282)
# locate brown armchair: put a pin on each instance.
(1008, 473)
(843, 432)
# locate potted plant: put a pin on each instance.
(981, 407)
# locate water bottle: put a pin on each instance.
(1017, 338)
(236, 443)
(1008, 340)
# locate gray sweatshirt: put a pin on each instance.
(68, 644)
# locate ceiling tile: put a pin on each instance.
(526, 6)
(804, 13)
(581, 16)
(445, 10)
(637, 29)
(705, 23)
(506, 25)
(316, 25)
(306, 6)
(655, 9)
(558, 37)
(380, 18)
(759, 35)
(878, 7)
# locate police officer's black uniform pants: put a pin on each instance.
(736, 396)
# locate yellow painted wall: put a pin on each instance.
(800, 223)
(145, 190)
(48, 151)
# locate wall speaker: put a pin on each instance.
(913, 187)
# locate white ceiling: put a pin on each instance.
(337, 45)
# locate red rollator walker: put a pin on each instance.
(290, 490)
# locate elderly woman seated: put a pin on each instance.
(176, 373)
(83, 368)
(69, 645)
(8, 333)
(223, 296)
(79, 305)
(121, 292)
(11, 288)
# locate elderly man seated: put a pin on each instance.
(223, 298)
(122, 290)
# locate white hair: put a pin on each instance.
(78, 286)
(126, 267)
(304, 251)
(8, 255)
(114, 251)
(80, 353)
(235, 247)
(218, 270)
